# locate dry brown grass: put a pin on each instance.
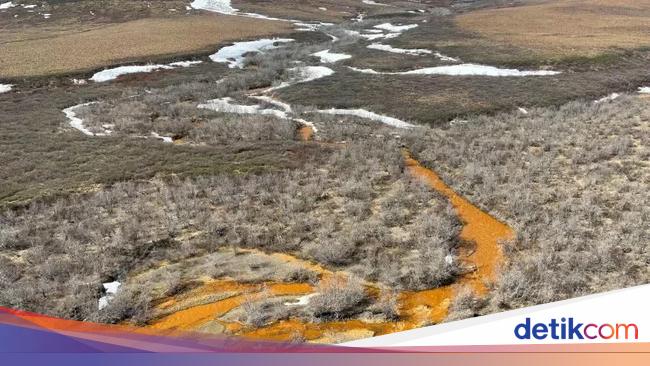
(46, 50)
(566, 28)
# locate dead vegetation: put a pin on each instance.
(565, 28)
(47, 53)
(571, 181)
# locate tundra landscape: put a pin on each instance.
(320, 171)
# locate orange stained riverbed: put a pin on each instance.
(416, 308)
(479, 228)
(306, 133)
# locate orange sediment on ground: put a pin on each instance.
(479, 227)
(416, 308)
(195, 316)
(306, 133)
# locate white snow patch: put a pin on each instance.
(184, 63)
(445, 58)
(78, 123)
(47, 15)
(375, 36)
(522, 110)
(480, 70)
(388, 48)
(4, 88)
(111, 289)
(226, 105)
(301, 301)
(362, 113)
(608, 98)
(270, 100)
(644, 90)
(464, 70)
(28, 6)
(7, 5)
(234, 55)
(114, 73)
(163, 138)
(395, 28)
(217, 6)
(304, 74)
(330, 57)
(79, 81)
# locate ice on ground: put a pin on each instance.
(395, 28)
(328, 57)
(304, 74)
(111, 289)
(112, 74)
(301, 301)
(644, 90)
(7, 5)
(234, 55)
(78, 123)
(362, 113)
(163, 138)
(4, 88)
(226, 105)
(608, 98)
(406, 51)
(464, 70)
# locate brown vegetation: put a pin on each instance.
(43, 53)
(566, 28)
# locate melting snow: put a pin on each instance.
(330, 57)
(5, 88)
(608, 98)
(111, 289)
(395, 28)
(112, 74)
(78, 123)
(217, 6)
(163, 138)
(464, 70)
(644, 90)
(362, 113)
(184, 63)
(234, 55)
(7, 5)
(225, 105)
(304, 74)
(445, 58)
(303, 300)
(388, 48)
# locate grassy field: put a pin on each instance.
(47, 49)
(566, 28)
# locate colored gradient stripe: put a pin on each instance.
(34, 339)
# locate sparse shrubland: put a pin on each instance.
(571, 181)
(59, 253)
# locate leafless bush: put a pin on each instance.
(338, 297)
